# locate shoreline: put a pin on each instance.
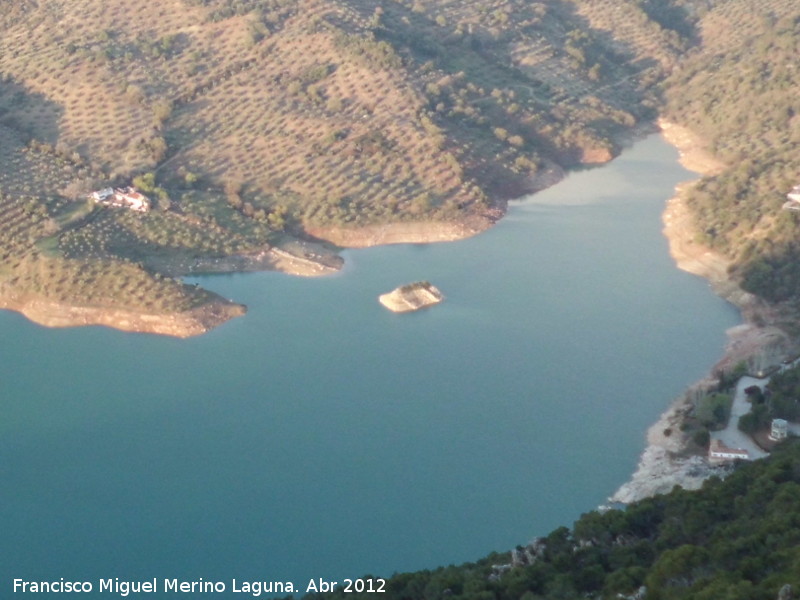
(291, 256)
(422, 232)
(671, 459)
(432, 232)
(196, 321)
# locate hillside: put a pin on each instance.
(737, 90)
(252, 123)
(737, 539)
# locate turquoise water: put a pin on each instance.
(322, 436)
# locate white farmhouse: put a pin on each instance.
(717, 451)
(132, 199)
(126, 197)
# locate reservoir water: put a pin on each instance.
(323, 436)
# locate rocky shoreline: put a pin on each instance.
(670, 459)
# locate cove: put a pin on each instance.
(321, 436)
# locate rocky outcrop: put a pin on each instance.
(413, 296)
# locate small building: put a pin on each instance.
(793, 202)
(779, 430)
(132, 199)
(791, 205)
(103, 195)
(793, 199)
(718, 451)
(126, 197)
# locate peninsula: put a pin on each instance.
(411, 297)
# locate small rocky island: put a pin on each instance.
(412, 296)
